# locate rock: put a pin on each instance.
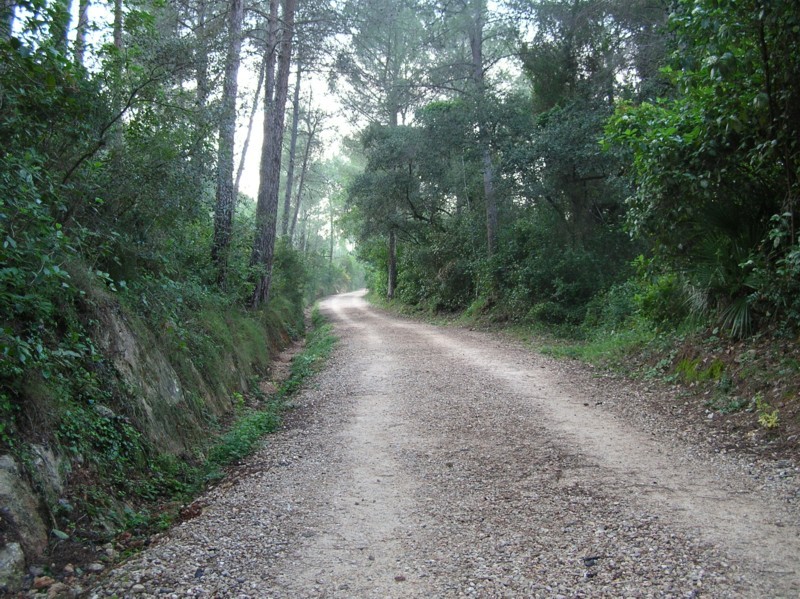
(21, 509)
(49, 468)
(95, 568)
(138, 589)
(36, 570)
(43, 582)
(60, 591)
(105, 411)
(12, 567)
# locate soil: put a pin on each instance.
(443, 462)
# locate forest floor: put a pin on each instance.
(431, 461)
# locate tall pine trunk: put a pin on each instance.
(479, 89)
(391, 283)
(80, 32)
(6, 18)
(246, 144)
(118, 24)
(225, 198)
(270, 171)
(287, 198)
(312, 130)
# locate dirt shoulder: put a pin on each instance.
(442, 462)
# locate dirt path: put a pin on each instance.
(429, 462)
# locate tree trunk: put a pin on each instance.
(330, 206)
(80, 33)
(303, 170)
(287, 197)
(118, 24)
(6, 18)
(226, 200)
(201, 66)
(479, 85)
(270, 172)
(246, 144)
(391, 284)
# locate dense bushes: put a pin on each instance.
(667, 137)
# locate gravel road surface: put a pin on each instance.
(443, 462)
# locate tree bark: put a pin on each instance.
(225, 197)
(118, 24)
(479, 85)
(80, 33)
(391, 283)
(287, 198)
(303, 170)
(270, 172)
(7, 18)
(203, 86)
(330, 207)
(246, 144)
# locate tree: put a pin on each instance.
(313, 121)
(383, 63)
(225, 194)
(384, 67)
(718, 162)
(270, 168)
(81, 31)
(287, 198)
(6, 18)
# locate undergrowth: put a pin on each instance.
(147, 492)
(246, 433)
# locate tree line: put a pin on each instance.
(580, 162)
(567, 161)
(119, 125)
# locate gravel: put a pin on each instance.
(430, 462)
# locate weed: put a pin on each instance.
(767, 416)
(729, 405)
(242, 439)
(691, 371)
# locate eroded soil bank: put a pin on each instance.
(430, 462)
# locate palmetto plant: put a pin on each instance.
(720, 281)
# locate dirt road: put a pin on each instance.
(431, 462)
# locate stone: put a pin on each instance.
(138, 589)
(95, 568)
(12, 568)
(50, 469)
(21, 508)
(60, 591)
(43, 582)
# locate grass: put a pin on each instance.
(246, 434)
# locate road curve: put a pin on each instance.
(442, 462)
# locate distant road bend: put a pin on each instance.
(442, 462)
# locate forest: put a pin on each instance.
(593, 167)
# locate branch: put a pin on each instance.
(101, 137)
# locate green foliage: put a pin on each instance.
(768, 417)
(695, 371)
(319, 344)
(244, 437)
(97, 434)
(714, 165)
